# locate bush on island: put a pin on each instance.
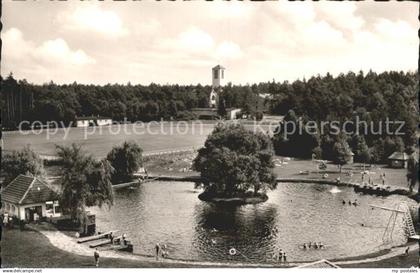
(236, 165)
(126, 160)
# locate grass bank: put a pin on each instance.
(31, 249)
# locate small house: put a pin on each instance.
(92, 121)
(102, 121)
(28, 198)
(233, 113)
(398, 160)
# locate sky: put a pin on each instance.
(142, 42)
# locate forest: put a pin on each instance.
(371, 97)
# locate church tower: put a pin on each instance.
(218, 80)
(218, 73)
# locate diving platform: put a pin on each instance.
(414, 238)
(95, 237)
(100, 243)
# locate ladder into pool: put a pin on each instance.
(411, 230)
(408, 222)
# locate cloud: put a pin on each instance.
(229, 9)
(228, 50)
(93, 18)
(180, 43)
(58, 51)
(43, 60)
(194, 40)
(341, 15)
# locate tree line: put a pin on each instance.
(369, 97)
(21, 100)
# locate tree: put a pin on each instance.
(25, 161)
(126, 160)
(341, 151)
(361, 150)
(412, 171)
(221, 107)
(86, 182)
(235, 160)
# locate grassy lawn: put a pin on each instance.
(171, 164)
(292, 168)
(99, 140)
(31, 249)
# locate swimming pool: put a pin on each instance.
(170, 213)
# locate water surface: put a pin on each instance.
(171, 213)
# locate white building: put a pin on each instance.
(93, 121)
(218, 81)
(28, 198)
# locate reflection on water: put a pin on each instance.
(335, 189)
(171, 213)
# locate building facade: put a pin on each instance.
(218, 81)
(93, 121)
(30, 199)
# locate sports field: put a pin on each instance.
(100, 140)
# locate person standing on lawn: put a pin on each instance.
(96, 256)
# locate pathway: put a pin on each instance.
(66, 243)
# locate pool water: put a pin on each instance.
(170, 213)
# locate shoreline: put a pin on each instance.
(375, 189)
(68, 244)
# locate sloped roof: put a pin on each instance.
(398, 156)
(28, 190)
(91, 118)
(218, 67)
(319, 264)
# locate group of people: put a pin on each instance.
(122, 240)
(370, 182)
(161, 251)
(354, 203)
(281, 256)
(315, 245)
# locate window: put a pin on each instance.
(57, 209)
(223, 74)
(49, 207)
(215, 74)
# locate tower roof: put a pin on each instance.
(218, 67)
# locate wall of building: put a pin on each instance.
(83, 123)
(19, 211)
(233, 113)
(102, 122)
(213, 99)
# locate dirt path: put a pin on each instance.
(69, 244)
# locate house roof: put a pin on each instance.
(28, 190)
(399, 156)
(218, 67)
(319, 264)
(91, 118)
